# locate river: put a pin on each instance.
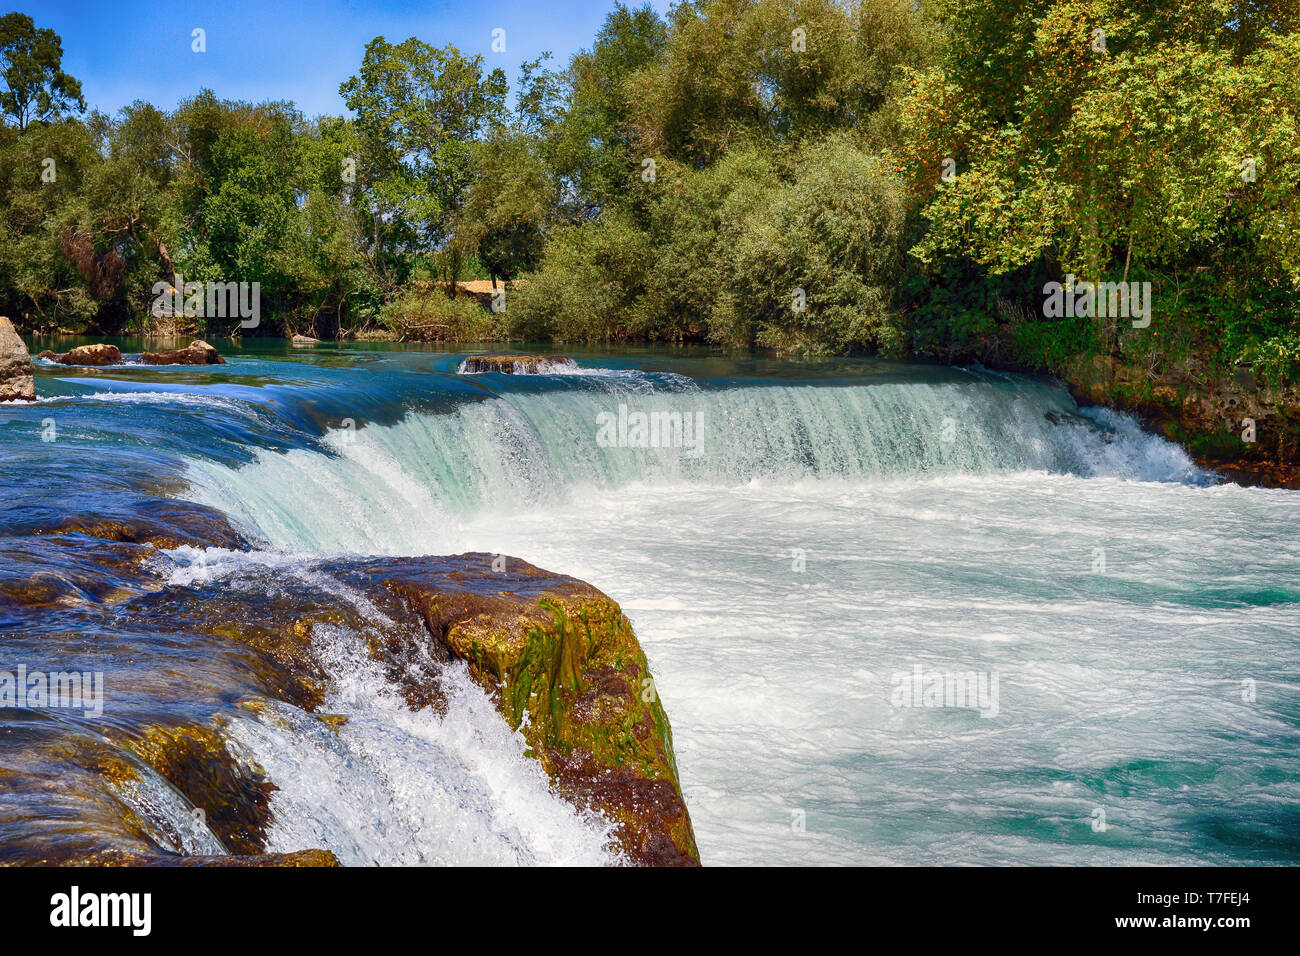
(818, 570)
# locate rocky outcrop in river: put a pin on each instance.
(197, 352)
(515, 364)
(98, 354)
(16, 379)
(556, 656)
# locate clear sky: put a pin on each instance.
(288, 49)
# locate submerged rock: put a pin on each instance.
(515, 364)
(194, 759)
(98, 354)
(17, 381)
(197, 352)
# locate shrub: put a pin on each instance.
(594, 286)
(422, 312)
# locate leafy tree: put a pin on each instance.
(510, 202)
(36, 88)
(593, 286)
(591, 146)
(419, 110)
(699, 221)
(539, 98)
(817, 264)
(736, 70)
(1109, 140)
(41, 177)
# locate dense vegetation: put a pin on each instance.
(812, 176)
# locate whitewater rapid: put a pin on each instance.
(1141, 620)
(382, 784)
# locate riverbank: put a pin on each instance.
(1235, 426)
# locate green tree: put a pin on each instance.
(419, 110)
(36, 88)
(42, 175)
(591, 146)
(818, 264)
(772, 72)
(594, 285)
(510, 203)
(1110, 140)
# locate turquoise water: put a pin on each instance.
(830, 531)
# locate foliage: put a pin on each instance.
(35, 87)
(420, 110)
(421, 313)
(1151, 141)
(810, 176)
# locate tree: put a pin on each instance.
(594, 285)
(36, 88)
(817, 264)
(510, 202)
(40, 278)
(419, 111)
(591, 146)
(1118, 141)
(540, 98)
(1093, 130)
(772, 71)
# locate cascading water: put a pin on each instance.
(393, 489)
(826, 542)
(392, 786)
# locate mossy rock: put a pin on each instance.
(195, 760)
(565, 669)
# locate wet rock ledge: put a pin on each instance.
(557, 657)
(562, 663)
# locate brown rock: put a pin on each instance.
(557, 657)
(564, 667)
(197, 352)
(98, 354)
(298, 858)
(514, 364)
(47, 354)
(16, 379)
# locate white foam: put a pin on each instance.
(393, 786)
(396, 787)
(975, 549)
(778, 681)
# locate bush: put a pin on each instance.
(834, 232)
(594, 286)
(422, 312)
(1277, 359)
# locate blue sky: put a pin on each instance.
(288, 49)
